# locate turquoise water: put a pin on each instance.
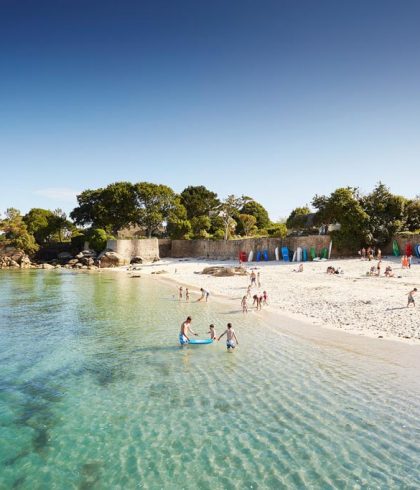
(95, 393)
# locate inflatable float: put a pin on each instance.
(200, 341)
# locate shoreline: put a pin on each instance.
(278, 275)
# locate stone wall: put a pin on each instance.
(402, 241)
(229, 250)
(147, 249)
(165, 247)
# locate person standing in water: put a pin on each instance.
(180, 293)
(212, 332)
(244, 305)
(187, 294)
(204, 294)
(185, 329)
(231, 337)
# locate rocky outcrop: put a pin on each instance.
(111, 259)
(220, 271)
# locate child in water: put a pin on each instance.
(212, 332)
(244, 305)
(231, 337)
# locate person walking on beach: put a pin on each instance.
(185, 329)
(187, 294)
(265, 297)
(231, 337)
(244, 305)
(258, 280)
(204, 294)
(378, 267)
(248, 292)
(379, 254)
(180, 293)
(411, 300)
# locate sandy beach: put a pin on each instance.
(352, 301)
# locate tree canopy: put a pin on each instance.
(199, 201)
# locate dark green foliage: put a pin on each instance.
(386, 214)
(298, 218)
(111, 208)
(257, 210)
(412, 211)
(15, 232)
(199, 201)
(200, 225)
(97, 239)
(343, 206)
(277, 230)
(48, 226)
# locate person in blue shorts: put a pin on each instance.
(185, 329)
(231, 337)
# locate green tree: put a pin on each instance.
(200, 226)
(343, 206)
(298, 218)
(386, 214)
(199, 201)
(228, 209)
(111, 208)
(277, 230)
(155, 204)
(254, 208)
(248, 223)
(15, 232)
(413, 214)
(39, 224)
(97, 239)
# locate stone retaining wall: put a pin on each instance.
(229, 250)
(147, 249)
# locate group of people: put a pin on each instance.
(204, 294)
(231, 338)
(370, 253)
(334, 270)
(258, 299)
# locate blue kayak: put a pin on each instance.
(200, 341)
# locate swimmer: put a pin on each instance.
(231, 337)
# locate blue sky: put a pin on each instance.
(278, 100)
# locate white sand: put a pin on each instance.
(354, 302)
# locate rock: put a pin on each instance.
(111, 259)
(47, 266)
(136, 260)
(219, 271)
(25, 262)
(72, 262)
(13, 263)
(64, 256)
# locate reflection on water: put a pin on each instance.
(96, 393)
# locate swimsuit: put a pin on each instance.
(230, 344)
(182, 339)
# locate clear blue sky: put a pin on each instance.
(277, 100)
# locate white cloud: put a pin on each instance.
(58, 193)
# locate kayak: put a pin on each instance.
(200, 341)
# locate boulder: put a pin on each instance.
(111, 259)
(64, 256)
(25, 262)
(136, 260)
(47, 266)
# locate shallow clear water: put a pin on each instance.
(95, 393)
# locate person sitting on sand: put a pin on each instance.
(388, 271)
(299, 269)
(330, 270)
(411, 300)
(212, 332)
(204, 294)
(185, 328)
(244, 305)
(231, 337)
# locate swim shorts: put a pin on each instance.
(182, 339)
(230, 344)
